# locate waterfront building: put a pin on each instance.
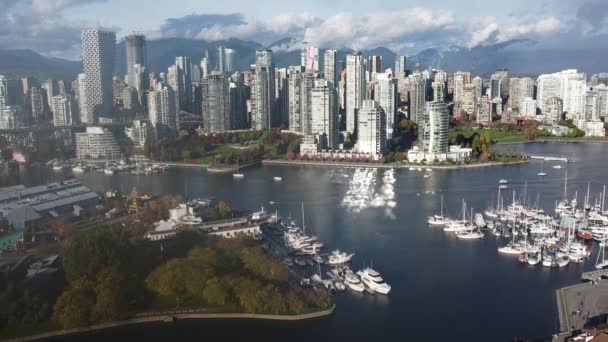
(592, 106)
(262, 91)
(371, 129)
(324, 114)
(310, 58)
(162, 108)
(527, 108)
(63, 115)
(216, 105)
(355, 89)
(136, 61)
(96, 144)
(330, 67)
(385, 93)
(23, 207)
(594, 128)
(98, 58)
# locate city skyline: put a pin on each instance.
(52, 26)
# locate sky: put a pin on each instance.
(52, 27)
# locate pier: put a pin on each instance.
(576, 304)
(557, 159)
(594, 276)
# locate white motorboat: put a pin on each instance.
(503, 187)
(79, 169)
(412, 169)
(374, 281)
(557, 167)
(429, 170)
(337, 257)
(534, 260)
(109, 170)
(353, 282)
(504, 181)
(58, 167)
(427, 176)
(278, 179)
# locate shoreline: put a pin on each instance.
(384, 166)
(545, 141)
(170, 318)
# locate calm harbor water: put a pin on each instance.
(441, 286)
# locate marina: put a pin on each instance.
(480, 286)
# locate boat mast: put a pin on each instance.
(603, 198)
(303, 221)
(566, 186)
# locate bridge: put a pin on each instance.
(557, 159)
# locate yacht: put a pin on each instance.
(336, 258)
(109, 170)
(504, 181)
(372, 279)
(353, 282)
(534, 259)
(438, 220)
(503, 187)
(510, 249)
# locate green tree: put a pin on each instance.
(215, 292)
(74, 308)
(91, 251)
(115, 293)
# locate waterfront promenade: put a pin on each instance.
(172, 316)
(356, 165)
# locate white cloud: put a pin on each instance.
(488, 30)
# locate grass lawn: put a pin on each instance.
(497, 135)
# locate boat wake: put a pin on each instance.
(365, 192)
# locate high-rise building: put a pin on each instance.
(38, 103)
(433, 126)
(184, 83)
(375, 64)
(162, 108)
(330, 67)
(417, 95)
(118, 87)
(504, 76)
(484, 111)
(602, 90)
(592, 106)
(310, 58)
(238, 102)
(324, 114)
(130, 100)
(216, 105)
(371, 129)
(355, 89)
(308, 84)
(569, 85)
(204, 67)
(385, 93)
(554, 109)
(459, 83)
(282, 96)
(230, 60)
(262, 91)
(400, 67)
(221, 59)
(51, 89)
(62, 111)
(601, 78)
(140, 133)
(295, 97)
(469, 99)
(98, 58)
(82, 98)
(495, 86)
(136, 61)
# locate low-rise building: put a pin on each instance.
(595, 129)
(455, 154)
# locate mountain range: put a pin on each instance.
(521, 56)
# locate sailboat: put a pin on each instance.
(471, 233)
(542, 173)
(438, 220)
(237, 174)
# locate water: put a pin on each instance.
(441, 286)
